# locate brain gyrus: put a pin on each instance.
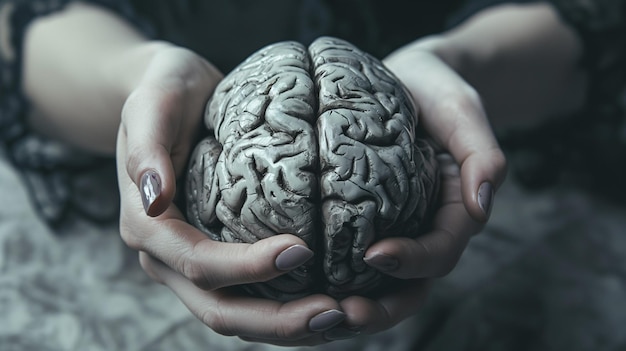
(319, 142)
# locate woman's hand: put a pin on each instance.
(452, 114)
(160, 120)
(520, 61)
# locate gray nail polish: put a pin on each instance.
(340, 333)
(150, 189)
(293, 257)
(326, 320)
(382, 262)
(485, 198)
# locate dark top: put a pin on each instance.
(57, 174)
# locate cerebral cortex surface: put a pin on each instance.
(320, 143)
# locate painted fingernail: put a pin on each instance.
(382, 262)
(150, 189)
(340, 333)
(326, 320)
(293, 257)
(485, 198)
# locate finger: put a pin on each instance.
(211, 264)
(371, 316)
(436, 252)
(146, 137)
(231, 313)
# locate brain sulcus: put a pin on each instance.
(319, 142)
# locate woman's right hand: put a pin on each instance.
(160, 120)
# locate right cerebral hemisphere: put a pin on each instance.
(319, 142)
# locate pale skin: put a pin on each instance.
(142, 101)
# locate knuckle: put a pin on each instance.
(253, 272)
(135, 103)
(460, 102)
(288, 331)
(215, 319)
(193, 270)
(129, 236)
(500, 162)
(254, 267)
(471, 97)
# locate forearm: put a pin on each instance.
(522, 59)
(79, 66)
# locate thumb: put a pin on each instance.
(468, 137)
(481, 174)
(149, 129)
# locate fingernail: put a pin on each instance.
(150, 189)
(326, 320)
(485, 197)
(293, 257)
(340, 333)
(382, 262)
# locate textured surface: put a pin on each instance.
(319, 143)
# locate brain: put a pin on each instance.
(319, 142)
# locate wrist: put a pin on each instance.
(523, 60)
(125, 69)
(447, 49)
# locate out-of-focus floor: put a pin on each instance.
(548, 273)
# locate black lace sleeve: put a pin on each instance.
(53, 172)
(601, 25)
(592, 144)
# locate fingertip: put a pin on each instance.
(156, 195)
(291, 251)
(364, 315)
(326, 320)
(292, 257)
(481, 175)
(150, 190)
(150, 167)
(382, 262)
(485, 196)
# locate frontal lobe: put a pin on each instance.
(319, 143)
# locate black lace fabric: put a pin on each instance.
(59, 177)
(589, 148)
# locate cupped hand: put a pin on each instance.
(472, 166)
(160, 120)
(452, 114)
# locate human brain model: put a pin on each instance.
(320, 143)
